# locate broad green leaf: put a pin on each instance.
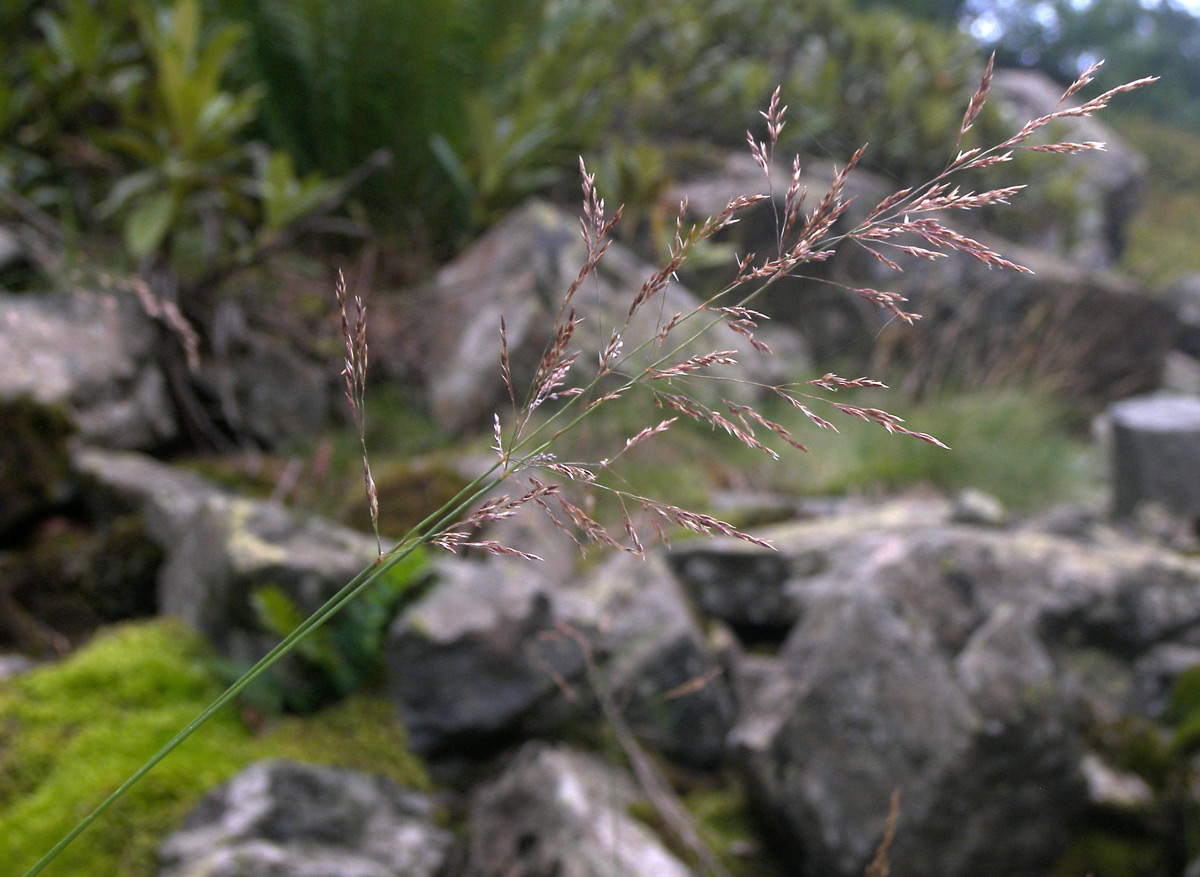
(146, 227)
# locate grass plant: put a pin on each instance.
(566, 390)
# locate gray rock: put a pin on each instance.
(14, 665)
(233, 547)
(91, 355)
(656, 663)
(1071, 320)
(284, 819)
(521, 269)
(981, 509)
(1156, 453)
(831, 322)
(481, 657)
(868, 702)
(1114, 790)
(555, 811)
(1184, 297)
(220, 548)
(494, 651)
(264, 389)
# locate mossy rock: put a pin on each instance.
(33, 462)
(73, 731)
(409, 492)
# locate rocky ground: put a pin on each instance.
(974, 692)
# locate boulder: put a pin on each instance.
(1071, 321)
(521, 269)
(1156, 454)
(866, 703)
(284, 819)
(482, 657)
(92, 356)
(220, 548)
(655, 662)
(495, 651)
(265, 390)
(965, 664)
(556, 811)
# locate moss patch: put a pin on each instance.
(72, 732)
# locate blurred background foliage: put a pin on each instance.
(193, 131)
(187, 137)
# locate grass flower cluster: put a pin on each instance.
(908, 222)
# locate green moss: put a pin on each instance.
(1111, 855)
(723, 817)
(1161, 243)
(72, 732)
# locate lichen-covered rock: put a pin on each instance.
(556, 811)
(220, 548)
(963, 664)
(865, 703)
(1106, 185)
(285, 819)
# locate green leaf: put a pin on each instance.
(147, 226)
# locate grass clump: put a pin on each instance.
(1161, 244)
(1015, 444)
(71, 731)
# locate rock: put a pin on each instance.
(831, 322)
(520, 269)
(1071, 321)
(866, 703)
(1181, 374)
(14, 665)
(1106, 185)
(1156, 454)
(1116, 791)
(745, 589)
(284, 819)
(91, 355)
(495, 651)
(264, 390)
(481, 657)
(11, 249)
(1184, 297)
(978, 508)
(1092, 333)
(965, 664)
(235, 546)
(220, 549)
(555, 811)
(1155, 674)
(655, 662)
